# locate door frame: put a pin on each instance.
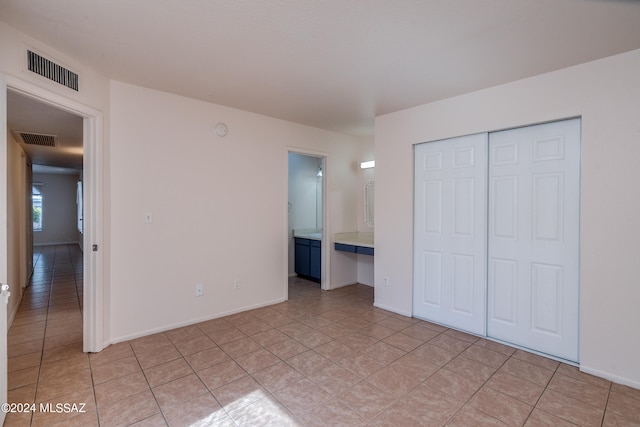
(325, 283)
(93, 179)
(3, 244)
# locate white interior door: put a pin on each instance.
(450, 232)
(533, 237)
(3, 243)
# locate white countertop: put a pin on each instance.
(308, 233)
(356, 238)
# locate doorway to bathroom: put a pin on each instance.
(306, 217)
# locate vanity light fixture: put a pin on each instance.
(367, 165)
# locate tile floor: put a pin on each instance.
(320, 359)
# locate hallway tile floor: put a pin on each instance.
(320, 359)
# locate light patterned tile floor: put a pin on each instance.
(320, 359)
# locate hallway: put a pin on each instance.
(45, 340)
(320, 359)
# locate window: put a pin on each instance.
(36, 203)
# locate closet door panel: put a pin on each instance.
(504, 281)
(533, 237)
(449, 232)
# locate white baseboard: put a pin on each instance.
(610, 377)
(341, 285)
(192, 321)
(12, 315)
(393, 310)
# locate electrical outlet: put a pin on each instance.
(386, 281)
(236, 284)
(199, 290)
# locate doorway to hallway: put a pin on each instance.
(92, 177)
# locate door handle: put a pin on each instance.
(4, 293)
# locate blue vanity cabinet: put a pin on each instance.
(308, 257)
(363, 250)
(314, 259)
(302, 256)
(344, 247)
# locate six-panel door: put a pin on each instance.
(496, 235)
(450, 236)
(534, 230)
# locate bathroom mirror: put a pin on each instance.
(368, 203)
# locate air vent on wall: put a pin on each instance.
(39, 139)
(52, 71)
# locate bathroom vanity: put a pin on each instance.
(354, 242)
(308, 254)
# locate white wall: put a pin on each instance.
(59, 209)
(13, 45)
(606, 94)
(93, 94)
(161, 156)
(219, 207)
(17, 275)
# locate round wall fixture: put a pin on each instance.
(221, 129)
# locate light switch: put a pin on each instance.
(148, 218)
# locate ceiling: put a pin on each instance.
(27, 115)
(332, 64)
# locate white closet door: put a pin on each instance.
(450, 232)
(533, 242)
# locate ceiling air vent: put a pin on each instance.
(52, 71)
(39, 139)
